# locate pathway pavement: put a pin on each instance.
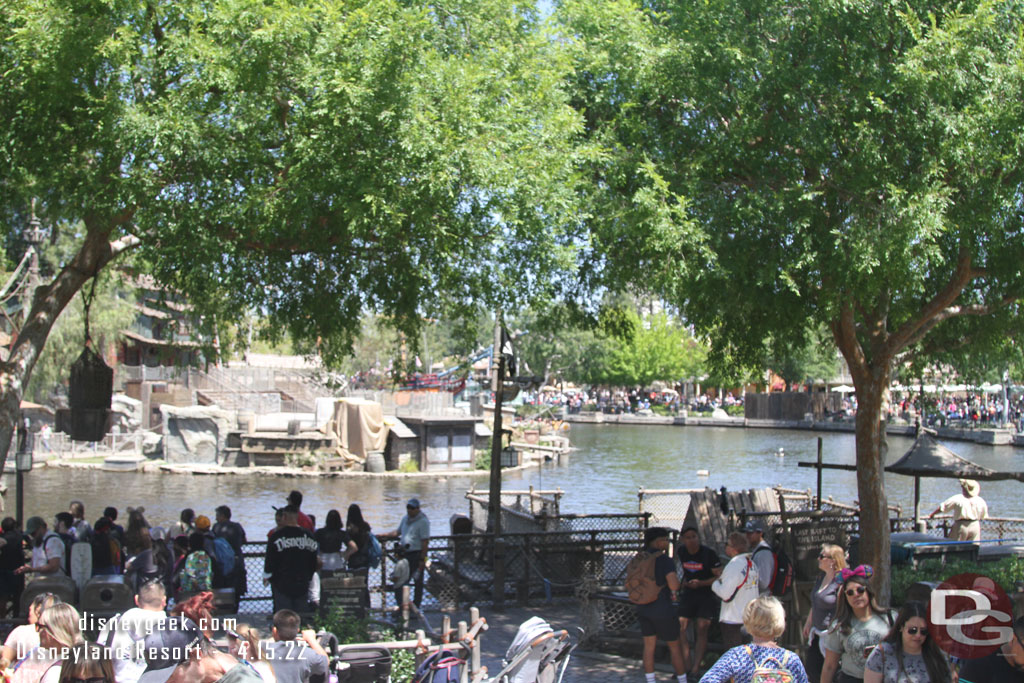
(584, 666)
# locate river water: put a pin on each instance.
(602, 476)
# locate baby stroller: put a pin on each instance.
(538, 654)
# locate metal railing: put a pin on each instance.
(478, 569)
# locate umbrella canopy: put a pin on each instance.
(928, 458)
(844, 389)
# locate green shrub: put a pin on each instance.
(1006, 573)
(409, 466)
(734, 411)
(347, 628)
(529, 410)
(403, 665)
(663, 410)
(482, 461)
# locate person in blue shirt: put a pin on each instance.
(765, 620)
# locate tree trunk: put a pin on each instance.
(48, 302)
(874, 511)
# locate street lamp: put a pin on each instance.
(22, 464)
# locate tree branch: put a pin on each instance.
(913, 328)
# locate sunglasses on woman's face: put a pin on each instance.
(914, 630)
(859, 590)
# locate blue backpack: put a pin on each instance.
(441, 667)
(224, 556)
(373, 552)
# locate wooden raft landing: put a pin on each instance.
(714, 524)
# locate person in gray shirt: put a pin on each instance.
(295, 656)
(761, 554)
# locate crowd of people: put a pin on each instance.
(182, 564)
(151, 643)
(849, 635)
(195, 554)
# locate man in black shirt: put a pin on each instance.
(1005, 665)
(12, 556)
(701, 566)
(234, 534)
(290, 563)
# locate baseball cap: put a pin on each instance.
(754, 525)
(171, 642)
(33, 524)
(413, 503)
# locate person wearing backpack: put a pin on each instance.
(762, 555)
(737, 586)
(763, 660)
(657, 617)
(47, 550)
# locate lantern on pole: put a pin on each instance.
(91, 388)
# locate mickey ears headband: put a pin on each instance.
(864, 571)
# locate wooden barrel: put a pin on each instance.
(375, 461)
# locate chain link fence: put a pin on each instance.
(467, 569)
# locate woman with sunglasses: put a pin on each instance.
(831, 561)
(58, 628)
(25, 638)
(859, 625)
(908, 654)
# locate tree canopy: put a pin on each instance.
(847, 164)
(306, 160)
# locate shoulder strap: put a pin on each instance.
(746, 575)
(111, 629)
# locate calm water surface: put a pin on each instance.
(602, 476)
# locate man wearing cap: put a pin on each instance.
(761, 554)
(291, 561)
(968, 510)
(47, 550)
(413, 534)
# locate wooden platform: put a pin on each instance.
(713, 524)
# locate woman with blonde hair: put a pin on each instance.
(23, 639)
(58, 634)
(246, 643)
(831, 562)
(765, 620)
(88, 662)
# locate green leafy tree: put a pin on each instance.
(110, 312)
(657, 351)
(813, 358)
(307, 160)
(773, 166)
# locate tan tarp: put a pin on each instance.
(359, 425)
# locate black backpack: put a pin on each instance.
(783, 572)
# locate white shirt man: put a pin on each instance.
(47, 550)
(126, 633)
(737, 586)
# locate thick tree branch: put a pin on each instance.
(912, 329)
